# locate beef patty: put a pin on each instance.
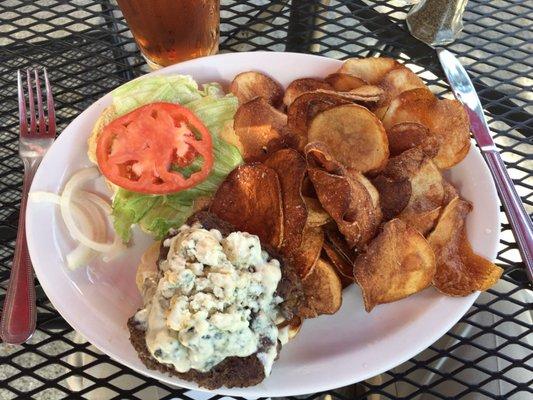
(232, 371)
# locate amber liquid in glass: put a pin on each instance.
(170, 31)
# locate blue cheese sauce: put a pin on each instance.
(214, 298)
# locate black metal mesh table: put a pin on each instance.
(88, 51)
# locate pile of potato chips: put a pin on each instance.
(343, 176)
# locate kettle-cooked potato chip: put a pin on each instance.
(394, 194)
(303, 85)
(371, 69)
(334, 194)
(372, 191)
(353, 135)
(317, 156)
(291, 169)
(445, 119)
(316, 215)
(260, 129)
(367, 95)
(344, 82)
(412, 169)
(293, 326)
(304, 257)
(337, 241)
(343, 266)
(394, 82)
(250, 200)
(459, 270)
(422, 220)
(349, 204)
(304, 108)
(323, 291)
(397, 263)
(346, 195)
(247, 86)
(427, 191)
(450, 192)
(405, 136)
(367, 213)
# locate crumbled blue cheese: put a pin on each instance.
(215, 298)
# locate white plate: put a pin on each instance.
(330, 351)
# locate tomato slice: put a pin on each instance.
(158, 148)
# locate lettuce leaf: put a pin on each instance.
(180, 89)
(156, 214)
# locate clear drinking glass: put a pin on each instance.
(170, 31)
(436, 22)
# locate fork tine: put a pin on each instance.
(42, 123)
(50, 107)
(23, 122)
(31, 102)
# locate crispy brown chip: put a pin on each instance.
(450, 192)
(459, 270)
(412, 174)
(303, 85)
(260, 129)
(427, 194)
(323, 291)
(318, 156)
(423, 221)
(334, 194)
(344, 82)
(372, 191)
(353, 135)
(308, 189)
(407, 164)
(366, 95)
(352, 201)
(295, 325)
(394, 195)
(303, 109)
(291, 169)
(343, 266)
(250, 199)
(394, 82)
(365, 208)
(247, 86)
(371, 70)
(445, 119)
(316, 215)
(337, 241)
(405, 136)
(350, 205)
(398, 263)
(304, 258)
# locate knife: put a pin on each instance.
(518, 218)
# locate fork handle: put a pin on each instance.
(518, 218)
(19, 313)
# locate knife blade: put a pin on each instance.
(464, 91)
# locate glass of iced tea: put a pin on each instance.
(170, 31)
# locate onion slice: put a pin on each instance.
(86, 216)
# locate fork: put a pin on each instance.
(19, 312)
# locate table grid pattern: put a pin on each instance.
(88, 50)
